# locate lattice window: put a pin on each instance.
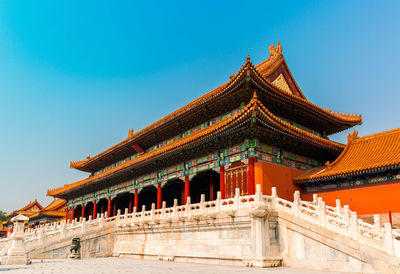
(236, 178)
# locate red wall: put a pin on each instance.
(369, 199)
(281, 177)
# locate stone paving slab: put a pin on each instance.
(125, 265)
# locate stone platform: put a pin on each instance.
(120, 265)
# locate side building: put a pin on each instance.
(257, 128)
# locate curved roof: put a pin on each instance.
(261, 72)
(34, 206)
(370, 153)
(254, 108)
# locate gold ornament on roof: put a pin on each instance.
(352, 136)
(130, 134)
(275, 51)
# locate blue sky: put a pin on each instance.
(75, 76)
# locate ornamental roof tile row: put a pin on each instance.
(254, 108)
(370, 153)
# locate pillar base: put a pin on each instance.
(269, 261)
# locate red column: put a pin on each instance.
(159, 196)
(250, 176)
(222, 181)
(66, 214)
(130, 204)
(94, 210)
(73, 213)
(115, 206)
(83, 211)
(212, 198)
(109, 207)
(187, 189)
(136, 202)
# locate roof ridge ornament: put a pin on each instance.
(130, 134)
(255, 97)
(352, 136)
(328, 165)
(275, 51)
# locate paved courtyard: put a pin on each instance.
(119, 265)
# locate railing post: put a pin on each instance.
(237, 197)
(346, 214)
(218, 202)
(164, 205)
(102, 219)
(175, 207)
(258, 196)
(377, 223)
(389, 239)
(321, 211)
(337, 208)
(188, 200)
(354, 226)
(153, 208)
(315, 199)
(273, 197)
(296, 204)
(83, 225)
(142, 213)
(202, 201)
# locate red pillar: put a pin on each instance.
(159, 196)
(66, 214)
(187, 189)
(115, 206)
(136, 202)
(250, 176)
(212, 188)
(222, 181)
(83, 211)
(130, 204)
(94, 210)
(109, 207)
(73, 213)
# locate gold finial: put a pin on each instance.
(248, 58)
(130, 134)
(275, 51)
(352, 136)
(232, 76)
(88, 157)
(328, 165)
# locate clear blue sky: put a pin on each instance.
(75, 76)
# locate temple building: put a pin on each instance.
(53, 212)
(365, 176)
(257, 128)
(28, 210)
(37, 214)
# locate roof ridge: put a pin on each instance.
(379, 134)
(249, 108)
(274, 60)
